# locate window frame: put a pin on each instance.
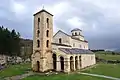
(38, 43)
(47, 43)
(60, 41)
(47, 33)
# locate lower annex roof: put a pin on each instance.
(75, 51)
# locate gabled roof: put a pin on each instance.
(75, 51)
(43, 10)
(62, 32)
(69, 36)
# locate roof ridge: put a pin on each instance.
(43, 10)
(62, 32)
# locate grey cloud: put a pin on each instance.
(106, 34)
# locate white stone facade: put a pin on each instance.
(61, 52)
(70, 40)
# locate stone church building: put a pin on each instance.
(59, 52)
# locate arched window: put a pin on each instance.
(38, 22)
(60, 40)
(80, 61)
(47, 20)
(62, 63)
(38, 43)
(54, 61)
(47, 33)
(47, 23)
(38, 33)
(47, 43)
(75, 33)
(71, 63)
(76, 62)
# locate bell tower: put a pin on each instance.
(42, 39)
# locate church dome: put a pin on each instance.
(76, 32)
(76, 29)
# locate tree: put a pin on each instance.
(9, 42)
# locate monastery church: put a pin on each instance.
(59, 52)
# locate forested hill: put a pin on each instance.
(9, 41)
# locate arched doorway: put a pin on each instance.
(62, 63)
(71, 63)
(76, 62)
(80, 61)
(54, 62)
(38, 66)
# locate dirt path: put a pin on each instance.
(103, 76)
(19, 77)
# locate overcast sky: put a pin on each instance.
(99, 19)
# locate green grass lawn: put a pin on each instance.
(105, 69)
(112, 70)
(108, 56)
(13, 70)
(63, 77)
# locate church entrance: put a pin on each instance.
(71, 63)
(38, 66)
(62, 63)
(54, 62)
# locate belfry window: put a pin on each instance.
(47, 23)
(38, 22)
(60, 40)
(47, 43)
(38, 33)
(47, 33)
(75, 34)
(38, 19)
(38, 43)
